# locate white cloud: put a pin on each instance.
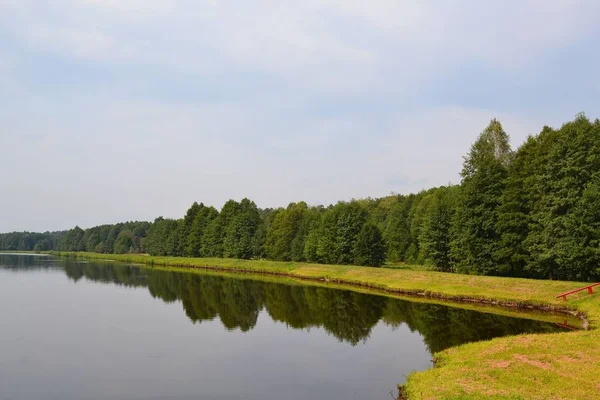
(325, 44)
(134, 146)
(99, 161)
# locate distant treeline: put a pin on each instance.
(533, 212)
(29, 241)
(127, 237)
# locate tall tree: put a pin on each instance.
(125, 243)
(514, 214)
(309, 221)
(204, 216)
(43, 245)
(186, 227)
(580, 259)
(397, 229)
(72, 240)
(483, 182)
(311, 244)
(240, 230)
(338, 231)
(283, 230)
(351, 218)
(435, 234)
(163, 237)
(369, 248)
(417, 217)
(570, 159)
(260, 237)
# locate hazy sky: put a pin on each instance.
(114, 110)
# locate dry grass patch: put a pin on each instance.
(499, 364)
(534, 363)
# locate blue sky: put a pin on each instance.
(119, 110)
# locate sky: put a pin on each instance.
(116, 110)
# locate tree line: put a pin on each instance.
(121, 238)
(339, 234)
(30, 241)
(530, 212)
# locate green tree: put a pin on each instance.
(125, 243)
(92, 241)
(163, 237)
(309, 221)
(369, 248)
(514, 213)
(352, 217)
(260, 237)
(311, 245)
(581, 256)
(397, 229)
(570, 160)
(204, 216)
(435, 234)
(283, 230)
(212, 242)
(43, 245)
(72, 240)
(240, 231)
(483, 182)
(332, 236)
(185, 229)
(417, 216)
(214, 236)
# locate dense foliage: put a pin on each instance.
(121, 238)
(533, 212)
(29, 241)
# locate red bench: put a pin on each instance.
(567, 326)
(589, 289)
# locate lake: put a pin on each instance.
(103, 330)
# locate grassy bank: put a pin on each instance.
(554, 366)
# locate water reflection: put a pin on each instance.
(347, 315)
(66, 319)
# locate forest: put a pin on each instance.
(530, 212)
(30, 241)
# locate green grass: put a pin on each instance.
(550, 366)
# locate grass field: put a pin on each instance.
(550, 366)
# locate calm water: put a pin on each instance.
(99, 330)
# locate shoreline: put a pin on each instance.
(510, 304)
(454, 288)
(450, 300)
